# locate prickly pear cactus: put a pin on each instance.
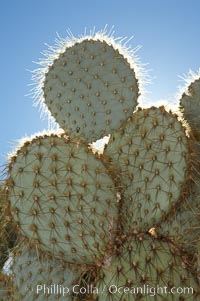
(5, 287)
(8, 236)
(183, 222)
(145, 262)
(117, 224)
(43, 277)
(190, 106)
(151, 153)
(90, 88)
(62, 198)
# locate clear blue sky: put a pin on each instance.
(169, 32)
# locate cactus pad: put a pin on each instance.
(38, 277)
(90, 89)
(146, 268)
(151, 153)
(190, 106)
(182, 224)
(62, 198)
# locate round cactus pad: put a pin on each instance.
(151, 153)
(62, 198)
(90, 89)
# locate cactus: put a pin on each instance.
(5, 287)
(40, 277)
(182, 225)
(62, 198)
(90, 87)
(126, 216)
(8, 236)
(151, 152)
(146, 267)
(190, 106)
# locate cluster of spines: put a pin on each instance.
(6, 292)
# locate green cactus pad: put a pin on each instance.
(90, 89)
(190, 106)
(147, 269)
(62, 198)
(182, 224)
(150, 153)
(37, 277)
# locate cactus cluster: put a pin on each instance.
(122, 224)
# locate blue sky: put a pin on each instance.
(169, 32)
